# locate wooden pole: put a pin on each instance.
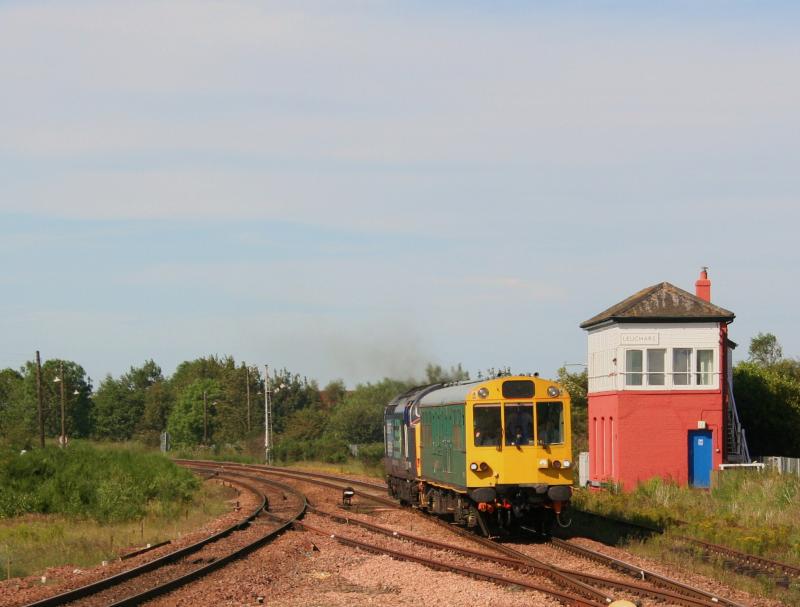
(63, 440)
(205, 418)
(39, 398)
(247, 380)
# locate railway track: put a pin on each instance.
(750, 564)
(552, 590)
(161, 575)
(593, 588)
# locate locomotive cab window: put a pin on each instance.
(550, 423)
(519, 424)
(486, 426)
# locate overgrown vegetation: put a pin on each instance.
(31, 543)
(105, 485)
(755, 512)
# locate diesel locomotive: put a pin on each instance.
(493, 453)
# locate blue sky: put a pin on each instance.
(352, 190)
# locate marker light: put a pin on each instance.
(552, 391)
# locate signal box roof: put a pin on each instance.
(663, 302)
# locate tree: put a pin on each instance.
(359, 418)
(765, 349)
(333, 394)
(290, 393)
(768, 401)
(232, 418)
(77, 406)
(186, 423)
(121, 405)
(577, 385)
(17, 418)
(435, 374)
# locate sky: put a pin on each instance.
(355, 189)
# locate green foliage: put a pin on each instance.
(186, 422)
(577, 385)
(768, 400)
(333, 394)
(17, 417)
(756, 512)
(19, 405)
(234, 422)
(371, 454)
(359, 419)
(325, 449)
(290, 393)
(435, 374)
(765, 349)
(83, 481)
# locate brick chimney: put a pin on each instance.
(702, 288)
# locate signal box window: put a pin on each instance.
(550, 423)
(633, 368)
(655, 367)
(681, 366)
(486, 425)
(705, 367)
(519, 424)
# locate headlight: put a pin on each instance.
(544, 463)
(556, 463)
(483, 392)
(552, 391)
(567, 463)
(473, 466)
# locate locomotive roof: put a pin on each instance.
(446, 395)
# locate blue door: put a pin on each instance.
(700, 458)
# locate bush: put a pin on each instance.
(83, 481)
(371, 454)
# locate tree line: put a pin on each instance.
(767, 391)
(212, 401)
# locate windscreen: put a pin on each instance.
(486, 425)
(549, 423)
(519, 424)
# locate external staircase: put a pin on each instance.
(735, 442)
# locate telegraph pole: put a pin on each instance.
(267, 420)
(205, 418)
(247, 379)
(39, 398)
(63, 440)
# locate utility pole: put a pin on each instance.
(39, 398)
(267, 420)
(247, 380)
(205, 418)
(63, 439)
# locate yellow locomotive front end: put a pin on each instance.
(518, 447)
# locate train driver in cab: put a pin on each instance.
(519, 425)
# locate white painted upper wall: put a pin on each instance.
(609, 346)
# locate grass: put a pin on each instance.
(352, 466)
(83, 481)
(88, 503)
(32, 543)
(750, 511)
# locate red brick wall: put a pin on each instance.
(634, 436)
